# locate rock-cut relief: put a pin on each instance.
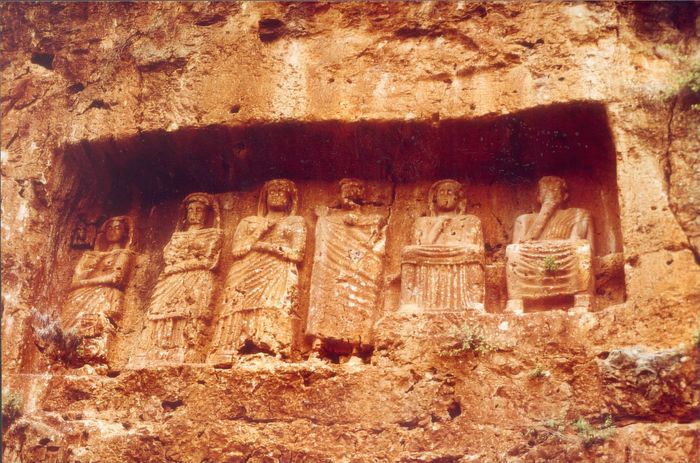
(259, 299)
(94, 305)
(348, 267)
(180, 303)
(443, 270)
(551, 252)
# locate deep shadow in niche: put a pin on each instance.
(499, 158)
(563, 139)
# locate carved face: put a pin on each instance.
(81, 231)
(446, 197)
(115, 231)
(551, 193)
(351, 192)
(277, 199)
(196, 213)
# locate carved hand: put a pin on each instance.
(350, 219)
(392, 278)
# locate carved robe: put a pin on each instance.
(557, 263)
(182, 295)
(260, 293)
(345, 281)
(96, 300)
(444, 270)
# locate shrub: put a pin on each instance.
(590, 435)
(538, 372)
(11, 408)
(550, 264)
(467, 339)
(61, 346)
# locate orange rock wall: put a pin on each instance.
(116, 108)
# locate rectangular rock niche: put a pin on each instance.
(498, 159)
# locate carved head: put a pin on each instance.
(278, 195)
(352, 190)
(200, 210)
(446, 196)
(552, 190)
(117, 230)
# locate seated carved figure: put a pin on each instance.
(95, 302)
(443, 270)
(348, 265)
(551, 252)
(260, 297)
(180, 301)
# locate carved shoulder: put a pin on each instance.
(295, 221)
(521, 225)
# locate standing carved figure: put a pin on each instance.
(95, 303)
(348, 266)
(259, 299)
(444, 269)
(180, 302)
(551, 252)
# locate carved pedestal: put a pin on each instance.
(549, 269)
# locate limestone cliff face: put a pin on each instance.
(114, 109)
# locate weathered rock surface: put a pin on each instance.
(651, 384)
(126, 108)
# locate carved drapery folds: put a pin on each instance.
(443, 270)
(195, 314)
(348, 267)
(260, 296)
(551, 253)
(95, 303)
(180, 302)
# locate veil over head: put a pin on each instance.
(213, 212)
(127, 240)
(461, 199)
(286, 185)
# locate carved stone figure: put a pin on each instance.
(348, 265)
(551, 252)
(443, 270)
(94, 304)
(180, 303)
(84, 234)
(259, 299)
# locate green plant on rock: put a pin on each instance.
(59, 345)
(696, 339)
(554, 425)
(550, 264)
(467, 339)
(687, 82)
(11, 408)
(538, 372)
(591, 435)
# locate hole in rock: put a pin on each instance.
(250, 348)
(99, 104)
(43, 59)
(76, 88)
(455, 409)
(171, 405)
(270, 29)
(44, 441)
(498, 159)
